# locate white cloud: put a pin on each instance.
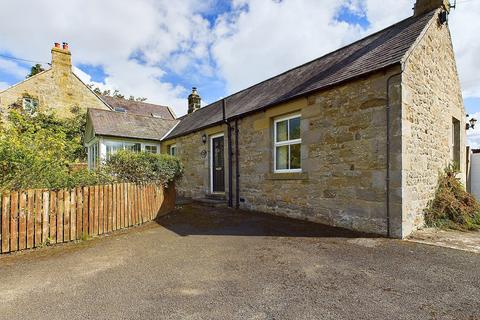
(106, 33)
(263, 38)
(465, 26)
(382, 14)
(12, 68)
(258, 39)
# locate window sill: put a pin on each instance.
(287, 176)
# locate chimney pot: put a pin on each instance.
(65, 46)
(57, 45)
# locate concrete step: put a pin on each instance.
(215, 196)
(211, 202)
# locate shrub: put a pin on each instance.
(137, 167)
(452, 206)
(37, 151)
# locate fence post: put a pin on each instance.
(30, 218)
(6, 222)
(73, 214)
(38, 218)
(60, 210)
(45, 221)
(86, 212)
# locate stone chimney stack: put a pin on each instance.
(61, 57)
(424, 6)
(194, 101)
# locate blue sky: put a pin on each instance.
(160, 51)
(212, 87)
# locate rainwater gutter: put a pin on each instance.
(230, 154)
(237, 168)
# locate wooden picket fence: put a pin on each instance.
(34, 218)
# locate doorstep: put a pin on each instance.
(211, 202)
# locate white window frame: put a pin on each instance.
(170, 147)
(285, 143)
(218, 135)
(33, 104)
(124, 146)
(150, 146)
(93, 155)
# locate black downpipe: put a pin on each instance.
(230, 154)
(387, 180)
(237, 168)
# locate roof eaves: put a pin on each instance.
(419, 38)
(261, 109)
(171, 112)
(193, 130)
(98, 97)
(169, 131)
(127, 137)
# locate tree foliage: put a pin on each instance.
(36, 150)
(453, 207)
(34, 70)
(114, 94)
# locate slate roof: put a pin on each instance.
(373, 53)
(137, 107)
(127, 125)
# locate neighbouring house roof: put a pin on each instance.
(140, 108)
(373, 53)
(127, 125)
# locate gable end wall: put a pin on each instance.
(55, 89)
(431, 97)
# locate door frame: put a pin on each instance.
(218, 135)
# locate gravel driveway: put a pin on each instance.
(211, 263)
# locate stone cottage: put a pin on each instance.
(132, 125)
(354, 139)
(57, 89)
(113, 123)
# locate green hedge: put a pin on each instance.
(141, 166)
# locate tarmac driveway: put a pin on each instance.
(205, 263)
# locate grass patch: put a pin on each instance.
(452, 207)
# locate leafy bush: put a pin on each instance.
(36, 150)
(452, 206)
(141, 166)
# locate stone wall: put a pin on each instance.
(431, 96)
(344, 146)
(195, 155)
(343, 158)
(57, 89)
